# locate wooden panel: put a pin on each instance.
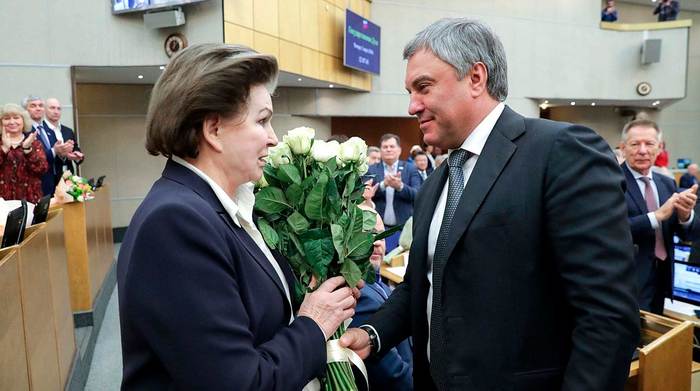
(310, 63)
(290, 57)
(343, 75)
(327, 30)
(75, 228)
(234, 34)
(666, 363)
(266, 44)
(239, 12)
(63, 316)
(309, 24)
(107, 246)
(338, 30)
(96, 268)
(37, 307)
(13, 353)
(266, 17)
(357, 6)
(290, 20)
(365, 9)
(372, 128)
(341, 3)
(326, 71)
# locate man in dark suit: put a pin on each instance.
(70, 155)
(523, 279)
(397, 183)
(656, 212)
(422, 166)
(690, 178)
(35, 107)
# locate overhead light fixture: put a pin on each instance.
(331, 86)
(573, 103)
(299, 79)
(592, 103)
(162, 67)
(140, 76)
(545, 102)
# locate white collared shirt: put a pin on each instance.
(57, 130)
(642, 189)
(475, 144)
(240, 208)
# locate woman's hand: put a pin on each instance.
(27, 143)
(6, 144)
(330, 305)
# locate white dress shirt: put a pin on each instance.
(475, 144)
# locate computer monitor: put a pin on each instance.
(681, 252)
(686, 282)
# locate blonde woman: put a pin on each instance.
(22, 158)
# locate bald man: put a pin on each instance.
(690, 178)
(68, 154)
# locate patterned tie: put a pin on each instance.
(652, 205)
(43, 137)
(454, 193)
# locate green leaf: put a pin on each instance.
(388, 232)
(289, 173)
(350, 184)
(308, 183)
(351, 273)
(295, 194)
(313, 208)
(271, 175)
(295, 240)
(315, 234)
(357, 220)
(271, 200)
(268, 233)
(331, 166)
(338, 239)
(333, 200)
(297, 222)
(360, 244)
(369, 220)
(370, 275)
(319, 254)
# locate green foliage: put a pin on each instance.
(289, 174)
(268, 233)
(271, 200)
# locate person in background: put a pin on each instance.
(393, 371)
(70, 155)
(22, 159)
(203, 302)
(609, 13)
(421, 163)
(35, 107)
(429, 150)
(655, 212)
(667, 10)
(690, 177)
(340, 138)
(661, 162)
(439, 159)
(374, 155)
(412, 153)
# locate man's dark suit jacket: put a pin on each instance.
(393, 371)
(687, 181)
(67, 134)
(200, 306)
(645, 237)
(538, 292)
(48, 180)
(403, 200)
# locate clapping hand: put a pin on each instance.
(370, 190)
(685, 202)
(27, 143)
(393, 180)
(6, 144)
(63, 148)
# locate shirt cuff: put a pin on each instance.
(652, 219)
(382, 186)
(686, 224)
(379, 340)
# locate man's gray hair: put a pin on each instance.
(463, 42)
(30, 98)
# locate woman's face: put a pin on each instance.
(247, 137)
(12, 124)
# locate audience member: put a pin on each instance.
(690, 178)
(421, 163)
(609, 13)
(667, 10)
(35, 106)
(374, 155)
(412, 153)
(618, 155)
(22, 160)
(393, 371)
(429, 153)
(68, 152)
(655, 211)
(661, 162)
(439, 159)
(398, 184)
(340, 138)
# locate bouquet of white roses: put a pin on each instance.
(308, 199)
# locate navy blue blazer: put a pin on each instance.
(67, 134)
(201, 308)
(48, 180)
(403, 200)
(687, 181)
(393, 371)
(644, 236)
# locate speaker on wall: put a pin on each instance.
(651, 50)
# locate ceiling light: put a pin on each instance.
(545, 102)
(299, 79)
(573, 103)
(331, 86)
(592, 103)
(162, 67)
(140, 76)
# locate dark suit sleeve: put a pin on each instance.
(183, 295)
(410, 185)
(589, 236)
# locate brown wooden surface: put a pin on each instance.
(37, 307)
(74, 232)
(13, 353)
(372, 128)
(389, 275)
(63, 315)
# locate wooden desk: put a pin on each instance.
(13, 353)
(384, 272)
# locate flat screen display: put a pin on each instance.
(686, 282)
(362, 43)
(125, 6)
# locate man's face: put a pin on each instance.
(421, 162)
(373, 157)
(641, 148)
(693, 169)
(439, 100)
(390, 151)
(53, 110)
(36, 109)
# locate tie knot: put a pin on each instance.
(645, 180)
(458, 157)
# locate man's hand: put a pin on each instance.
(75, 155)
(685, 202)
(356, 340)
(666, 210)
(393, 181)
(62, 149)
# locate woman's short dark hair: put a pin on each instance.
(201, 80)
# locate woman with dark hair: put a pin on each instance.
(22, 158)
(204, 303)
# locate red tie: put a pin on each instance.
(652, 205)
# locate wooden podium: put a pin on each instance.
(666, 358)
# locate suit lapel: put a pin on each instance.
(423, 215)
(633, 189)
(496, 153)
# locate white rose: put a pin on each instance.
(362, 168)
(322, 151)
(353, 150)
(299, 140)
(262, 182)
(280, 154)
